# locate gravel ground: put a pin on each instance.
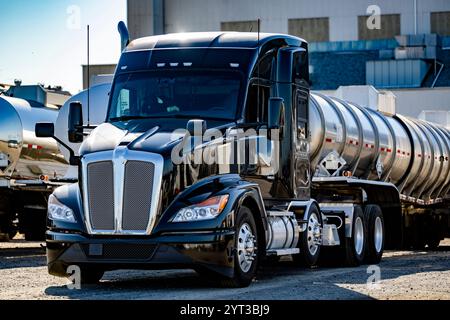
(404, 275)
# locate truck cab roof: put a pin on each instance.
(213, 40)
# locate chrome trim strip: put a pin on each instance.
(120, 156)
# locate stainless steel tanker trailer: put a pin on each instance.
(349, 140)
(319, 178)
(30, 168)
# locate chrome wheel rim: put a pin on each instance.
(246, 247)
(378, 234)
(313, 234)
(359, 236)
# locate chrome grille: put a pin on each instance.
(121, 191)
(138, 189)
(101, 195)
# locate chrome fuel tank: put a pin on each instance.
(412, 154)
(22, 155)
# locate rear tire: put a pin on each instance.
(375, 234)
(355, 245)
(245, 253)
(310, 240)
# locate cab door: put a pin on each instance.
(302, 176)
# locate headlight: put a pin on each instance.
(206, 210)
(58, 211)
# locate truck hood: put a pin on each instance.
(150, 136)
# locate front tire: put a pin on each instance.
(245, 253)
(310, 240)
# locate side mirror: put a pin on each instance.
(75, 122)
(276, 114)
(44, 130)
(194, 127)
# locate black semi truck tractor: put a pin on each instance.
(216, 156)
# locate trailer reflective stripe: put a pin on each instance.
(34, 146)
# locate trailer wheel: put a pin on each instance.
(375, 234)
(7, 228)
(355, 245)
(245, 253)
(34, 224)
(310, 240)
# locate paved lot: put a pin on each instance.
(404, 275)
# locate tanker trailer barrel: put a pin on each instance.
(26, 156)
(412, 154)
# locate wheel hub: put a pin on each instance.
(378, 234)
(246, 247)
(359, 236)
(314, 234)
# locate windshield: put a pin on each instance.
(208, 95)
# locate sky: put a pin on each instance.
(44, 41)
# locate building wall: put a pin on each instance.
(95, 72)
(413, 102)
(145, 17)
(201, 15)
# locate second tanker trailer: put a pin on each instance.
(318, 176)
(30, 167)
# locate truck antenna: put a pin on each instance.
(258, 85)
(88, 79)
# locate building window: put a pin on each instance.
(312, 30)
(390, 27)
(440, 23)
(240, 26)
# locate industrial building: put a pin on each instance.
(45, 95)
(315, 21)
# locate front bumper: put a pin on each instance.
(211, 250)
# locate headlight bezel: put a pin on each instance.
(57, 211)
(206, 210)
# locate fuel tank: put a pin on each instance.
(23, 156)
(412, 154)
